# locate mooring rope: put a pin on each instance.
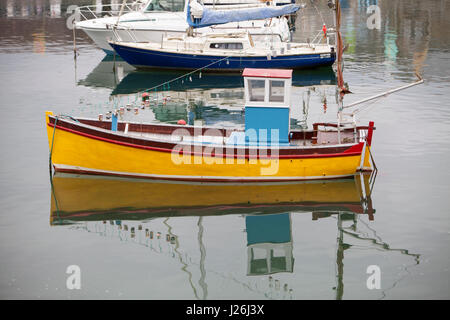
(50, 169)
(51, 148)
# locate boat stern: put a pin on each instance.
(367, 163)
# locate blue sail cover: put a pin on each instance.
(212, 17)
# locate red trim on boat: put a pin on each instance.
(370, 133)
(267, 73)
(352, 151)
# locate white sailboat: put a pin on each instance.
(150, 21)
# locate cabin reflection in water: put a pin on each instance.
(269, 244)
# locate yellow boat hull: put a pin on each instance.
(74, 152)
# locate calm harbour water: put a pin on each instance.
(216, 250)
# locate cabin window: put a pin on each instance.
(166, 5)
(227, 45)
(256, 89)
(276, 91)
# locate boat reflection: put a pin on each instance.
(114, 73)
(154, 214)
(129, 208)
(96, 198)
(214, 99)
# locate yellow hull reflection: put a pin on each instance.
(86, 197)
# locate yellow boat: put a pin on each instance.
(266, 150)
(92, 198)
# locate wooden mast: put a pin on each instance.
(340, 79)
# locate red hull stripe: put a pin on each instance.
(352, 151)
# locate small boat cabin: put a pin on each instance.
(267, 104)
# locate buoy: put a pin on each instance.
(181, 122)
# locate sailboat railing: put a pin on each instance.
(126, 29)
(106, 10)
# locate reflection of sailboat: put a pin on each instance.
(107, 74)
(209, 97)
(84, 198)
(139, 80)
(196, 110)
(124, 79)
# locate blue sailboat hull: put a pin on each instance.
(139, 57)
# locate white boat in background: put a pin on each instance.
(154, 19)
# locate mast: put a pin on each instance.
(339, 52)
(340, 79)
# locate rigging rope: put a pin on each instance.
(184, 76)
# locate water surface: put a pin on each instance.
(211, 242)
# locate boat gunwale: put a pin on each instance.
(283, 152)
(232, 54)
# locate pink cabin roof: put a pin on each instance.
(267, 73)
